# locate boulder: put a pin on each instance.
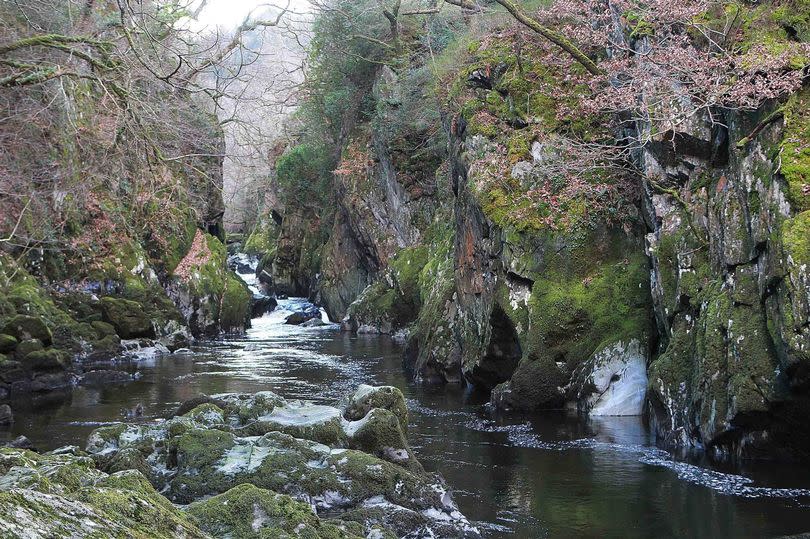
(62, 494)
(300, 317)
(190, 404)
(245, 442)
(379, 433)
(250, 512)
(28, 327)
(261, 305)
(365, 398)
(20, 442)
(47, 360)
(50, 381)
(26, 347)
(7, 343)
(177, 339)
(127, 317)
(309, 421)
(102, 329)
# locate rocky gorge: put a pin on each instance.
(507, 262)
(675, 290)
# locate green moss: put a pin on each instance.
(199, 448)
(234, 313)
(639, 28)
(795, 154)
(591, 301)
(28, 327)
(518, 147)
(127, 317)
(128, 498)
(394, 299)
(223, 294)
(262, 239)
(796, 238)
(51, 359)
(7, 343)
(248, 512)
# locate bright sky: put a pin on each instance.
(229, 13)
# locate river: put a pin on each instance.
(545, 475)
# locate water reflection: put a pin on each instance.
(546, 475)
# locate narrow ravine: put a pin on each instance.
(548, 475)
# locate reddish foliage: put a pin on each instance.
(198, 255)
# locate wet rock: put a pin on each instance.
(51, 381)
(262, 305)
(300, 317)
(314, 422)
(26, 347)
(127, 317)
(12, 371)
(190, 404)
(616, 381)
(214, 448)
(105, 348)
(177, 339)
(7, 343)
(379, 433)
(314, 323)
(28, 327)
(6, 416)
(21, 442)
(47, 360)
(535, 385)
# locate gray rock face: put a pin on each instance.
(729, 299)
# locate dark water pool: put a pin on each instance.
(548, 475)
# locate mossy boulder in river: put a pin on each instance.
(248, 512)
(357, 405)
(28, 327)
(64, 495)
(262, 440)
(127, 317)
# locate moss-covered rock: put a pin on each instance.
(7, 343)
(27, 347)
(102, 329)
(63, 495)
(357, 405)
(50, 359)
(393, 301)
(379, 433)
(309, 421)
(127, 317)
(248, 512)
(28, 327)
(204, 453)
(211, 298)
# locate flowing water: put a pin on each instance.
(547, 475)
